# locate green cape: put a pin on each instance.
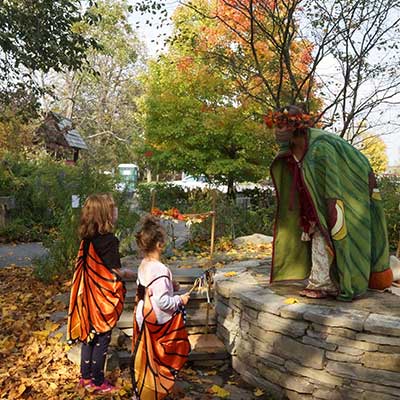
(342, 188)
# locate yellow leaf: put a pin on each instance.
(52, 386)
(291, 300)
(21, 389)
(122, 392)
(230, 273)
(211, 373)
(231, 383)
(258, 392)
(41, 334)
(50, 326)
(219, 391)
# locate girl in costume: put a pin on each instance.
(97, 294)
(160, 341)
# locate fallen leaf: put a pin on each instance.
(230, 273)
(258, 392)
(219, 391)
(291, 300)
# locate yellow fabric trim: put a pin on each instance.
(376, 195)
(339, 231)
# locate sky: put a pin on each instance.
(149, 36)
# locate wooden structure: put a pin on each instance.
(59, 137)
(7, 203)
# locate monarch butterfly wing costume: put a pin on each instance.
(97, 296)
(159, 353)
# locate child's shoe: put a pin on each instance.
(104, 388)
(86, 384)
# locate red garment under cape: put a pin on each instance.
(159, 352)
(97, 296)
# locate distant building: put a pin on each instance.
(59, 137)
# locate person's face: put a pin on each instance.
(284, 134)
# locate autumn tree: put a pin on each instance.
(374, 148)
(102, 99)
(196, 119)
(350, 49)
(37, 36)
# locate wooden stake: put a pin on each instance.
(398, 249)
(213, 221)
(153, 199)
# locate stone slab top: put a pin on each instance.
(375, 313)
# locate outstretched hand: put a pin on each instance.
(185, 298)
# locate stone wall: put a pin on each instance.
(307, 351)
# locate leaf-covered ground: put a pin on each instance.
(33, 361)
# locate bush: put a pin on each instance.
(43, 190)
(232, 220)
(390, 191)
(166, 196)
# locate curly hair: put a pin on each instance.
(96, 216)
(150, 234)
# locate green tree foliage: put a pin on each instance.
(196, 119)
(102, 100)
(38, 36)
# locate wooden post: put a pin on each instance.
(213, 220)
(398, 249)
(153, 199)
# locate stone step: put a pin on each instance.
(181, 275)
(205, 348)
(191, 330)
(195, 318)
(196, 295)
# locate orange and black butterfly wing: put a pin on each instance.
(97, 296)
(161, 350)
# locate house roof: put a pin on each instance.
(60, 131)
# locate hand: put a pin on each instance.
(175, 285)
(128, 273)
(185, 298)
(124, 273)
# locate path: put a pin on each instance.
(20, 254)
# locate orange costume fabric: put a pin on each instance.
(159, 352)
(97, 296)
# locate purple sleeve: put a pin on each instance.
(163, 295)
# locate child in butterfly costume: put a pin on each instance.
(97, 293)
(160, 343)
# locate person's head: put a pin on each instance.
(290, 122)
(110, 203)
(96, 217)
(152, 236)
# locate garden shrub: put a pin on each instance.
(167, 196)
(390, 192)
(43, 188)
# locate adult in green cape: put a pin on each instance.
(330, 226)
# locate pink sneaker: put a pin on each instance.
(104, 388)
(86, 384)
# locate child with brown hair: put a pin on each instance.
(97, 294)
(160, 343)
